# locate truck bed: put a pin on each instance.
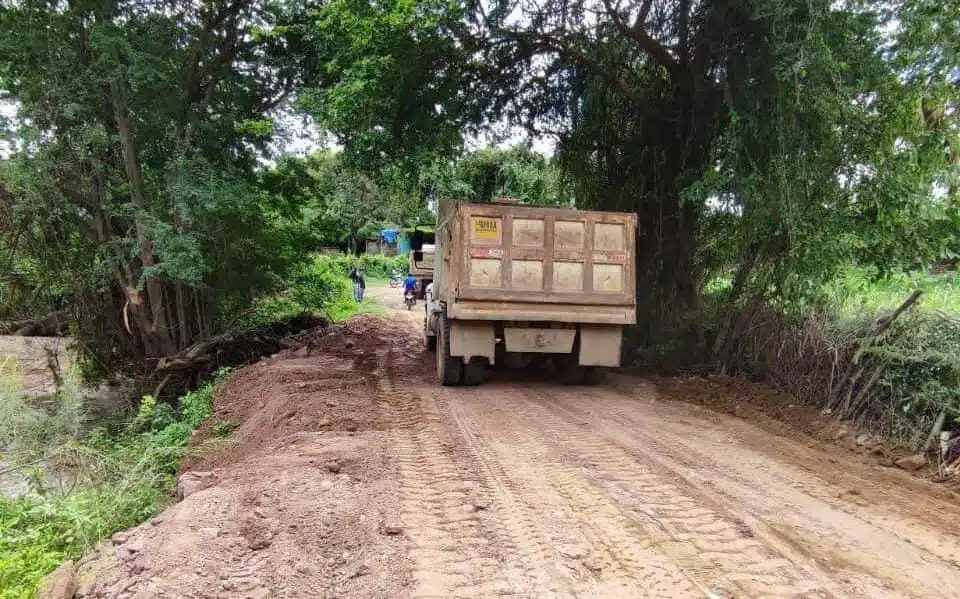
(541, 264)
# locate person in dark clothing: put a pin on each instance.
(359, 283)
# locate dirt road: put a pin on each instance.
(353, 474)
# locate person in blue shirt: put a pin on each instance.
(410, 285)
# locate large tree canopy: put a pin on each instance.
(136, 139)
(776, 139)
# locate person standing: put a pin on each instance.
(359, 283)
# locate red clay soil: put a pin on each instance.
(352, 474)
(299, 501)
(783, 415)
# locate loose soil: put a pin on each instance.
(351, 473)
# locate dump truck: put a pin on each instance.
(516, 283)
(420, 266)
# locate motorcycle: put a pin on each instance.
(410, 298)
(395, 279)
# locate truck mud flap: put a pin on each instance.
(600, 345)
(472, 339)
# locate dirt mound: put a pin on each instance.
(300, 501)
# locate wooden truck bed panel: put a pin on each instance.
(543, 256)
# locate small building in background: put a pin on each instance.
(386, 244)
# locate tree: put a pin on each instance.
(341, 204)
(516, 172)
(761, 137)
(134, 177)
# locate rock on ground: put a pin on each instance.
(61, 584)
(912, 463)
(192, 482)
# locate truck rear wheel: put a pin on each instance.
(572, 373)
(449, 368)
(594, 375)
(475, 371)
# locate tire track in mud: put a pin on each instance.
(710, 549)
(626, 565)
(663, 450)
(531, 547)
(452, 553)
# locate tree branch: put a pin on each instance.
(554, 44)
(638, 34)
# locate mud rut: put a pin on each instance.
(531, 489)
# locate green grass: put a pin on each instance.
(117, 479)
(320, 286)
(343, 311)
(860, 291)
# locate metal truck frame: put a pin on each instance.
(511, 282)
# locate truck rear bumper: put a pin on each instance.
(599, 344)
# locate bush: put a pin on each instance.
(827, 353)
(222, 428)
(896, 383)
(377, 267)
(116, 482)
(321, 286)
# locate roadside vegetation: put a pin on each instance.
(84, 484)
(794, 167)
(899, 378)
(319, 286)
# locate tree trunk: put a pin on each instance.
(158, 326)
(736, 291)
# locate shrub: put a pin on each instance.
(222, 428)
(896, 383)
(377, 266)
(115, 482)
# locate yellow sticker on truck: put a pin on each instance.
(486, 229)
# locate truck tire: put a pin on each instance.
(568, 366)
(594, 375)
(449, 368)
(475, 371)
(429, 340)
(572, 373)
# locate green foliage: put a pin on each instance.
(390, 73)
(133, 177)
(921, 376)
(516, 172)
(320, 286)
(341, 204)
(859, 291)
(33, 428)
(114, 482)
(197, 405)
(899, 382)
(223, 428)
(376, 266)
